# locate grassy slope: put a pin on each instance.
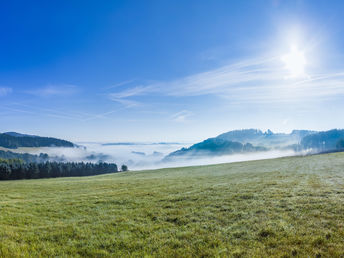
(286, 206)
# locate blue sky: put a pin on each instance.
(169, 70)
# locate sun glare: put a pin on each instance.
(295, 62)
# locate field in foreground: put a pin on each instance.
(280, 207)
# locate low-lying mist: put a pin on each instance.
(148, 155)
(208, 160)
(134, 155)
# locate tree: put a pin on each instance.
(33, 170)
(340, 144)
(44, 170)
(124, 168)
(5, 171)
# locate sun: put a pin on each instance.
(295, 62)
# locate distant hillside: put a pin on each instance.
(14, 140)
(253, 140)
(324, 141)
(213, 147)
(267, 139)
(19, 134)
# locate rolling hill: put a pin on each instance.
(323, 141)
(254, 140)
(281, 207)
(213, 147)
(267, 139)
(14, 140)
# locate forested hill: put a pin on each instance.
(267, 139)
(15, 140)
(324, 141)
(213, 147)
(253, 140)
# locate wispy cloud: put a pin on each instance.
(124, 97)
(221, 81)
(181, 116)
(119, 84)
(64, 114)
(54, 90)
(128, 103)
(4, 91)
(138, 90)
(15, 107)
(259, 80)
(103, 115)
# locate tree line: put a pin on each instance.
(16, 169)
(26, 157)
(324, 141)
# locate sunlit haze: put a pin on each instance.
(295, 62)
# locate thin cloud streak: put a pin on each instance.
(138, 90)
(4, 91)
(181, 116)
(119, 84)
(127, 103)
(54, 90)
(69, 115)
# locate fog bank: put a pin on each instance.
(139, 156)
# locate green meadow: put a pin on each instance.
(286, 207)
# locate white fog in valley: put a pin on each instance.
(140, 156)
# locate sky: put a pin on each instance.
(174, 71)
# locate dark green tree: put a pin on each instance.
(340, 144)
(5, 171)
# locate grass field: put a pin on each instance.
(281, 207)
